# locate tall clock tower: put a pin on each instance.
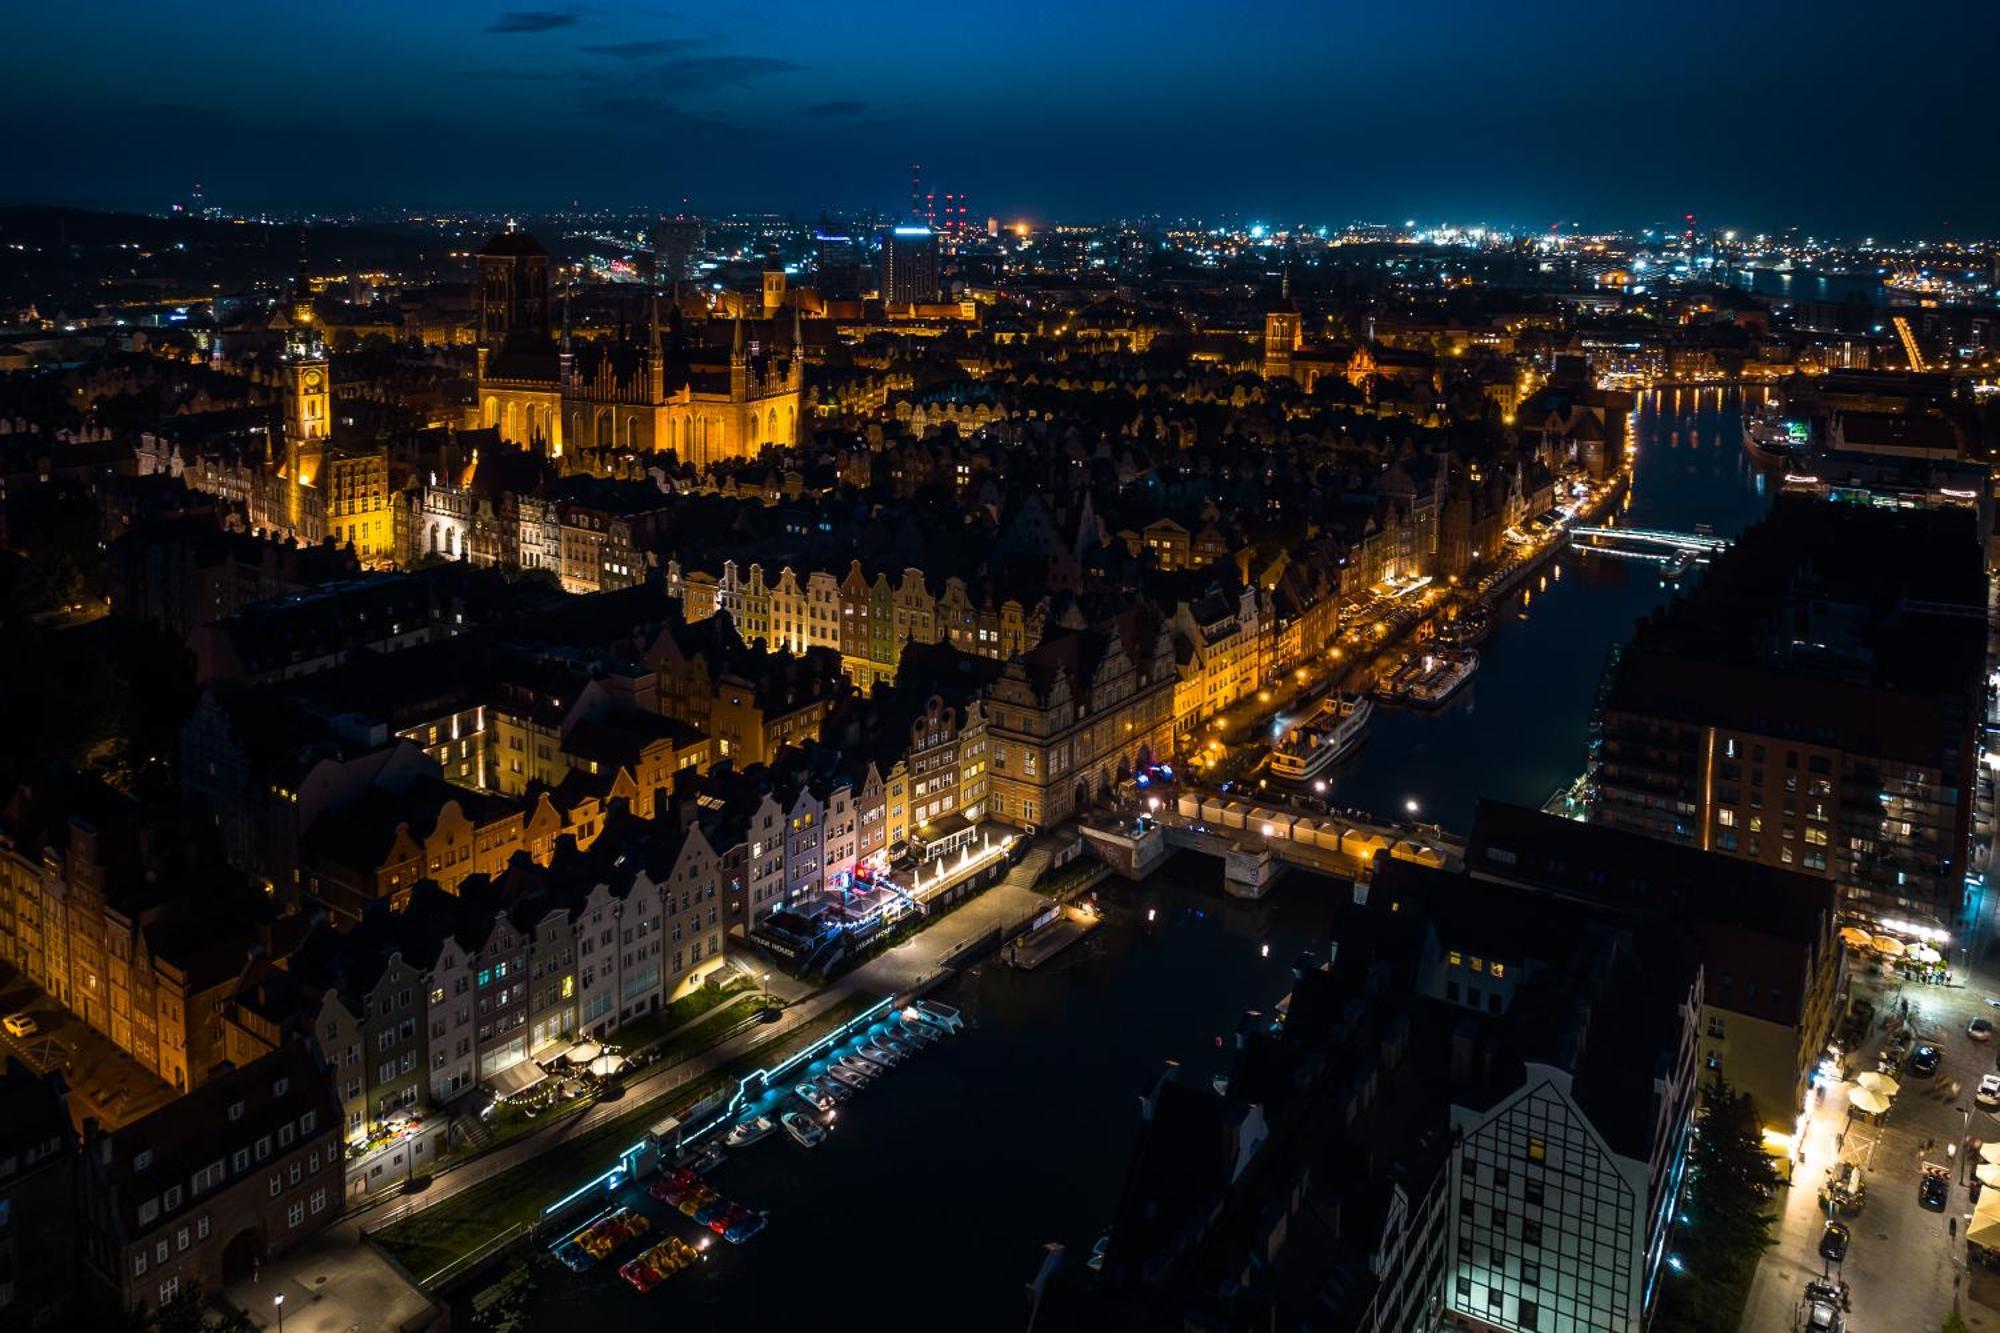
(308, 396)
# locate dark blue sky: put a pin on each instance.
(1831, 115)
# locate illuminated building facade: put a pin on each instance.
(910, 266)
(1068, 720)
(644, 390)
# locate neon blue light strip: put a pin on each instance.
(628, 1160)
(797, 1058)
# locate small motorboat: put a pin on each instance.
(848, 1078)
(805, 1131)
(863, 1066)
(747, 1132)
(812, 1096)
(919, 1034)
(887, 1059)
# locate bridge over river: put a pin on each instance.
(1257, 840)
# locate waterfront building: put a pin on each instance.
(1773, 967)
(1083, 710)
(1220, 645)
(1475, 1114)
(1814, 704)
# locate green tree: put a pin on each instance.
(1725, 1201)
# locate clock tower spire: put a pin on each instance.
(308, 395)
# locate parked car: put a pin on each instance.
(1934, 1188)
(1924, 1059)
(1833, 1242)
(1980, 1029)
(1823, 1309)
(19, 1025)
(1988, 1093)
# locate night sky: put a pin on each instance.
(1832, 115)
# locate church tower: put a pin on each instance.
(308, 395)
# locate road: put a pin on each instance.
(1902, 1268)
(1905, 1270)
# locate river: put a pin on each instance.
(928, 1205)
(1516, 732)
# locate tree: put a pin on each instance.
(1730, 1179)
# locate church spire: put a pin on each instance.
(565, 324)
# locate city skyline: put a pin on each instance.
(1323, 114)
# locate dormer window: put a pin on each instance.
(280, 1087)
(236, 1110)
(142, 1159)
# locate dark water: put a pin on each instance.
(1865, 288)
(1517, 731)
(928, 1205)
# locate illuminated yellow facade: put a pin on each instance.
(355, 485)
(644, 390)
(308, 405)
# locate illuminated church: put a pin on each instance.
(644, 389)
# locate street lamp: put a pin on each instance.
(279, 1301)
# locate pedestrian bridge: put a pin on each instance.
(1652, 538)
(1257, 840)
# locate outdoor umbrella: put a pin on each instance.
(1988, 1173)
(1984, 1230)
(606, 1065)
(1888, 946)
(1856, 938)
(584, 1052)
(1990, 1153)
(1881, 1083)
(1923, 953)
(1867, 1101)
